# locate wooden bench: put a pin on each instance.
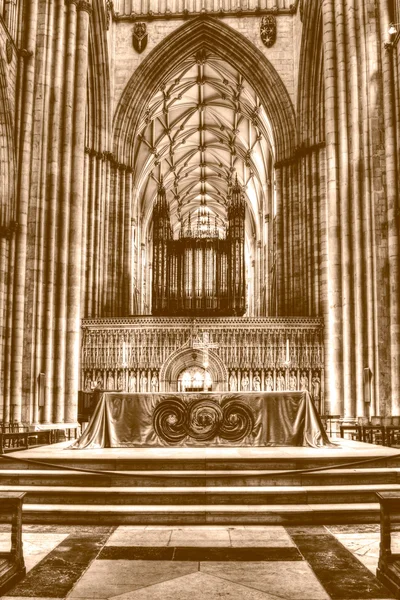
(353, 430)
(13, 441)
(388, 571)
(12, 565)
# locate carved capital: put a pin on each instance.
(84, 6)
(8, 231)
(109, 156)
(25, 54)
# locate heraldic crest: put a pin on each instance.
(139, 37)
(268, 30)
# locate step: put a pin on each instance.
(145, 462)
(199, 495)
(181, 478)
(204, 514)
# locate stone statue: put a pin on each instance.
(269, 382)
(99, 381)
(88, 383)
(245, 382)
(154, 383)
(143, 382)
(304, 381)
(280, 382)
(315, 387)
(110, 381)
(256, 382)
(121, 382)
(233, 382)
(132, 383)
(292, 382)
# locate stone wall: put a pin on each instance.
(126, 59)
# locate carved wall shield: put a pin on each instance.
(139, 37)
(9, 51)
(268, 30)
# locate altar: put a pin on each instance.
(122, 420)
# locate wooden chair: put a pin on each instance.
(12, 564)
(388, 571)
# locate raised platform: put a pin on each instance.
(202, 485)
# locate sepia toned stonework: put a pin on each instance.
(91, 127)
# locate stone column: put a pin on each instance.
(76, 215)
(279, 274)
(333, 317)
(63, 213)
(23, 190)
(53, 193)
(127, 272)
(392, 196)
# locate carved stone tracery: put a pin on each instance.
(247, 354)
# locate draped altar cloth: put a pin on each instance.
(123, 420)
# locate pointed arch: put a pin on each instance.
(204, 34)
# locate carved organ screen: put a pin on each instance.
(203, 271)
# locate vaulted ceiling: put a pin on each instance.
(200, 130)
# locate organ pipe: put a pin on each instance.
(202, 272)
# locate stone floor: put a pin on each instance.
(200, 562)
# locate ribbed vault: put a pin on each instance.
(203, 108)
(201, 128)
(207, 35)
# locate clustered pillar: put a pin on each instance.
(50, 208)
(336, 226)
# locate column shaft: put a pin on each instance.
(76, 216)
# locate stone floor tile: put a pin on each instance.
(249, 542)
(197, 586)
(61, 568)
(95, 592)
(261, 537)
(289, 580)
(200, 543)
(135, 537)
(27, 598)
(143, 552)
(362, 528)
(342, 574)
(107, 578)
(36, 546)
(200, 537)
(364, 545)
(253, 554)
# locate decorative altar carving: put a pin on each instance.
(259, 354)
(202, 420)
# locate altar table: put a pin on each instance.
(123, 420)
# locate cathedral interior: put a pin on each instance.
(202, 196)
